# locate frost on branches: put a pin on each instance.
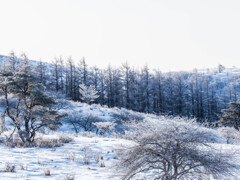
(231, 116)
(88, 93)
(27, 104)
(173, 149)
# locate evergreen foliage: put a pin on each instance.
(232, 115)
(31, 108)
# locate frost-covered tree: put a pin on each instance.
(221, 68)
(173, 149)
(229, 133)
(41, 72)
(82, 121)
(61, 73)
(145, 87)
(13, 61)
(31, 108)
(83, 73)
(88, 93)
(12, 110)
(232, 115)
(201, 94)
(70, 65)
(126, 82)
(56, 73)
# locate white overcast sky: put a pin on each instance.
(165, 34)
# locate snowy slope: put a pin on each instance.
(70, 160)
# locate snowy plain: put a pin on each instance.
(63, 162)
(68, 161)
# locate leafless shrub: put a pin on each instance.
(87, 155)
(63, 138)
(104, 127)
(122, 116)
(46, 172)
(95, 140)
(69, 177)
(16, 142)
(21, 167)
(82, 121)
(38, 142)
(101, 162)
(127, 115)
(62, 102)
(87, 134)
(230, 133)
(38, 161)
(47, 143)
(71, 156)
(174, 149)
(9, 167)
(97, 157)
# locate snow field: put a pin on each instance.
(80, 159)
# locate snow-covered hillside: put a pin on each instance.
(47, 132)
(89, 156)
(200, 94)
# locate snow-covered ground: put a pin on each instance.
(87, 157)
(69, 160)
(66, 161)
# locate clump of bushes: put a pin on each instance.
(105, 127)
(41, 141)
(9, 167)
(230, 133)
(71, 156)
(69, 177)
(123, 115)
(87, 155)
(82, 121)
(47, 172)
(174, 149)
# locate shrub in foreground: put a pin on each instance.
(173, 149)
(38, 142)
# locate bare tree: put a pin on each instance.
(126, 70)
(61, 72)
(13, 60)
(173, 149)
(56, 72)
(41, 72)
(83, 66)
(82, 121)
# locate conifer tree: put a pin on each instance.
(232, 115)
(32, 108)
